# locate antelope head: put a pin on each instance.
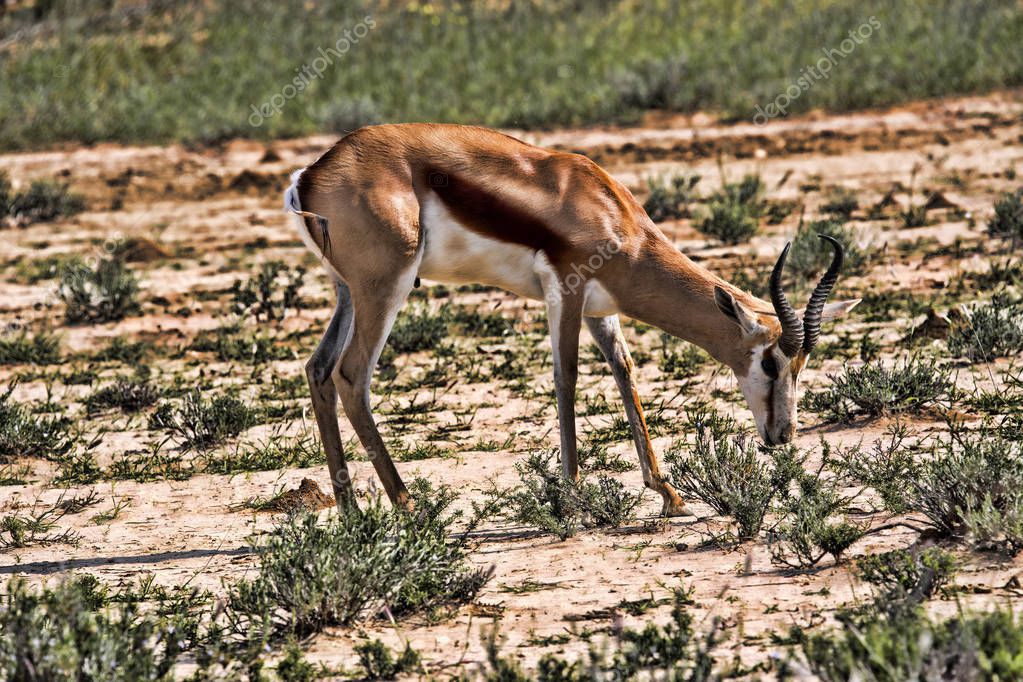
(775, 351)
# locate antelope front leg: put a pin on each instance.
(564, 318)
(607, 333)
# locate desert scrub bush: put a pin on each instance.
(728, 473)
(378, 662)
(889, 466)
(1007, 222)
(270, 293)
(547, 500)
(809, 256)
(971, 486)
(43, 200)
(40, 348)
(874, 389)
(992, 330)
(812, 522)
(35, 528)
(670, 197)
(907, 575)
(68, 632)
(25, 434)
(913, 646)
(732, 215)
(199, 423)
(673, 651)
(125, 393)
(352, 567)
(104, 293)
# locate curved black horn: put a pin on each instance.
(791, 328)
(815, 306)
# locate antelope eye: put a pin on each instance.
(770, 366)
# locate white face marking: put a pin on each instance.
(772, 401)
(458, 255)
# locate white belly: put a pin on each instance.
(456, 255)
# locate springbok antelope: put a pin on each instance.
(389, 204)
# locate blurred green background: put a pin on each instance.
(192, 70)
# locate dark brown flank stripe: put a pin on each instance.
(493, 216)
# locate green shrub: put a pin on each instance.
(314, 575)
(1007, 221)
(727, 473)
(993, 330)
(915, 647)
(733, 213)
(378, 663)
(972, 486)
(808, 530)
(900, 574)
(41, 348)
(24, 434)
(68, 633)
(43, 200)
(876, 389)
(809, 256)
(889, 467)
(200, 423)
(271, 293)
(104, 293)
(670, 198)
(418, 328)
(126, 394)
(549, 501)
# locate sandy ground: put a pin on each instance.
(214, 214)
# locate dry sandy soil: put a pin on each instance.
(207, 217)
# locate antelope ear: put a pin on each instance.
(833, 311)
(735, 311)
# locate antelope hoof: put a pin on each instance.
(675, 508)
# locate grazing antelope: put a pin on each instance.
(389, 204)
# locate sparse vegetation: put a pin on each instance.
(670, 198)
(733, 213)
(199, 423)
(994, 329)
(561, 507)
(43, 200)
(312, 575)
(126, 394)
(24, 434)
(271, 293)
(972, 486)
(40, 348)
(105, 292)
(1007, 221)
(875, 389)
